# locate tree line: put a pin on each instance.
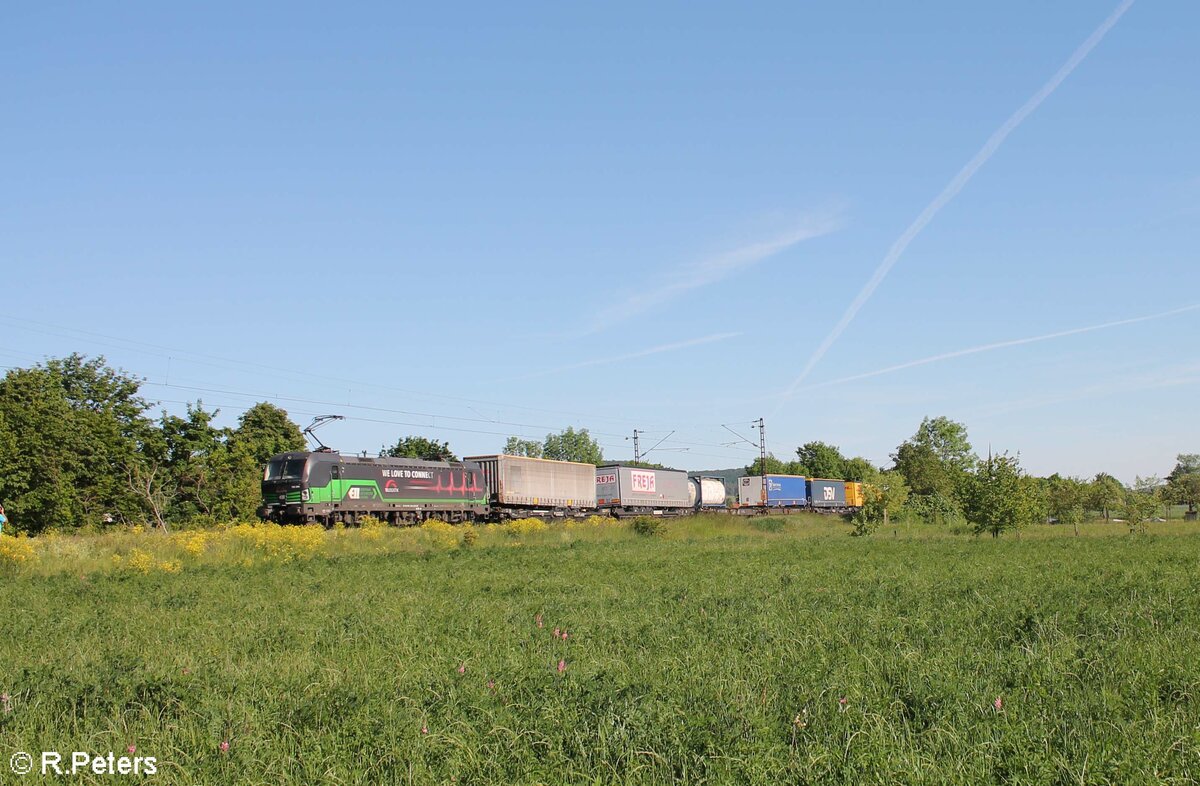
(937, 477)
(79, 446)
(567, 445)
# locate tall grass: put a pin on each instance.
(717, 650)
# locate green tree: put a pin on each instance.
(862, 470)
(265, 430)
(1140, 504)
(185, 438)
(1105, 493)
(1185, 490)
(884, 498)
(998, 496)
(236, 491)
(572, 445)
(197, 469)
(1185, 464)
(1065, 498)
(515, 446)
(948, 440)
(774, 467)
(179, 471)
(1183, 484)
(74, 427)
(935, 461)
(922, 470)
(420, 448)
(937, 508)
(820, 460)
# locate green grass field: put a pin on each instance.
(766, 651)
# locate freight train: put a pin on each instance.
(328, 488)
(797, 491)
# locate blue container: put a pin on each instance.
(787, 491)
(827, 493)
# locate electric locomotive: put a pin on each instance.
(328, 488)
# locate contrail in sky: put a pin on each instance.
(951, 190)
(632, 355)
(1000, 345)
(713, 269)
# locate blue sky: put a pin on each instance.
(471, 221)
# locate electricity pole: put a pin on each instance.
(762, 458)
(637, 452)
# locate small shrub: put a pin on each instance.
(647, 526)
(439, 534)
(526, 527)
(196, 543)
(16, 551)
(143, 562)
(139, 561)
(469, 537)
(863, 524)
(279, 543)
(371, 528)
(591, 522)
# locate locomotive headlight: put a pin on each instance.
(304, 494)
(283, 497)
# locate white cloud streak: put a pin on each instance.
(693, 342)
(951, 190)
(712, 270)
(1016, 342)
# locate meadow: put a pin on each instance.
(711, 650)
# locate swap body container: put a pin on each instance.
(827, 493)
(783, 491)
(706, 492)
(618, 486)
(519, 481)
(855, 497)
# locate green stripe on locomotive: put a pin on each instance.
(339, 491)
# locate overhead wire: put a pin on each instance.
(203, 359)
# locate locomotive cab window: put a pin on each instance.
(285, 469)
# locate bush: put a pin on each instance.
(440, 534)
(371, 528)
(278, 543)
(526, 527)
(648, 526)
(139, 561)
(863, 524)
(195, 543)
(16, 551)
(593, 521)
